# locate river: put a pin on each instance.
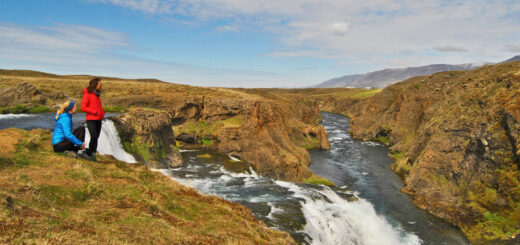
(364, 168)
(367, 207)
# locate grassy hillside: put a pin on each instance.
(50, 198)
(456, 139)
(125, 93)
(263, 127)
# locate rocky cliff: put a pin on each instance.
(272, 135)
(455, 138)
(147, 135)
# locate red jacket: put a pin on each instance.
(91, 104)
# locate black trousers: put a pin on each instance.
(94, 129)
(66, 145)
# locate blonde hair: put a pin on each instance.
(62, 109)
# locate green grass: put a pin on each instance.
(114, 109)
(204, 131)
(381, 139)
(40, 109)
(313, 143)
(206, 155)
(138, 149)
(206, 142)
(318, 180)
(232, 122)
(55, 198)
(494, 225)
(21, 108)
(397, 155)
(146, 151)
(366, 94)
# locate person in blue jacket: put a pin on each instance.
(63, 138)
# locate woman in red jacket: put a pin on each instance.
(91, 104)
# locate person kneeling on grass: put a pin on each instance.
(63, 138)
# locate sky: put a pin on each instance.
(252, 43)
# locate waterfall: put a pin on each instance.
(330, 218)
(109, 142)
(334, 220)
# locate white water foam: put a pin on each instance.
(330, 218)
(336, 138)
(234, 158)
(252, 174)
(14, 116)
(274, 210)
(338, 221)
(371, 143)
(109, 142)
(182, 150)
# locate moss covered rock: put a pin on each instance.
(147, 135)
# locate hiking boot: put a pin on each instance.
(84, 155)
(70, 154)
(93, 157)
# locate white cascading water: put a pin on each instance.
(334, 220)
(13, 116)
(330, 218)
(109, 142)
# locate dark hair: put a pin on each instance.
(93, 84)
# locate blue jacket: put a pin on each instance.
(63, 130)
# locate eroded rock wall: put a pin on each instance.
(271, 135)
(147, 134)
(455, 137)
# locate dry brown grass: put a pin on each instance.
(50, 198)
(118, 92)
(161, 95)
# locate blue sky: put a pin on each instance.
(251, 43)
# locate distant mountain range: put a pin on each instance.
(386, 77)
(512, 59)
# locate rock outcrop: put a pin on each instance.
(455, 137)
(23, 93)
(147, 135)
(271, 135)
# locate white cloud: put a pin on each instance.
(450, 48)
(355, 30)
(62, 37)
(513, 48)
(339, 28)
(70, 49)
(147, 6)
(300, 53)
(227, 28)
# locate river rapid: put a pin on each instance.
(367, 207)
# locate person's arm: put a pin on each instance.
(85, 105)
(67, 130)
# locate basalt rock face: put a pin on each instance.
(271, 135)
(455, 137)
(148, 136)
(23, 93)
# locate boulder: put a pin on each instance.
(147, 135)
